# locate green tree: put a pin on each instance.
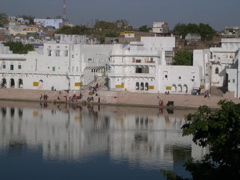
(18, 47)
(192, 28)
(183, 58)
(180, 29)
(111, 34)
(103, 25)
(29, 18)
(78, 30)
(206, 31)
(100, 29)
(143, 28)
(3, 19)
(220, 130)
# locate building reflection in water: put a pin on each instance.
(144, 136)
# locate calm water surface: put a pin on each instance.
(47, 141)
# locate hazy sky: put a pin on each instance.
(216, 13)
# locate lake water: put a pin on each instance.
(47, 141)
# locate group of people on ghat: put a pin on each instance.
(207, 94)
(92, 91)
(44, 97)
(75, 98)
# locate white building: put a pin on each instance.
(61, 66)
(136, 67)
(128, 34)
(141, 67)
(193, 37)
(49, 22)
(4, 49)
(160, 27)
(219, 65)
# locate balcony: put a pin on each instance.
(133, 63)
(133, 75)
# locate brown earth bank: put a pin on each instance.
(119, 98)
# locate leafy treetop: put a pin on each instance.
(143, 28)
(100, 29)
(3, 19)
(183, 58)
(18, 47)
(206, 31)
(220, 130)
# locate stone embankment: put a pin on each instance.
(117, 98)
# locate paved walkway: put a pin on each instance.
(118, 98)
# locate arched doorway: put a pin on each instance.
(174, 88)
(142, 86)
(4, 83)
(12, 83)
(40, 84)
(146, 86)
(179, 88)
(20, 83)
(137, 85)
(185, 88)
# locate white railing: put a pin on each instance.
(131, 75)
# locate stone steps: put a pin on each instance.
(216, 91)
(34, 95)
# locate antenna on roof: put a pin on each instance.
(64, 10)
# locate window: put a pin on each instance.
(66, 53)
(165, 73)
(53, 68)
(145, 69)
(216, 70)
(233, 80)
(11, 67)
(142, 69)
(19, 66)
(138, 70)
(4, 65)
(49, 52)
(57, 52)
(179, 77)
